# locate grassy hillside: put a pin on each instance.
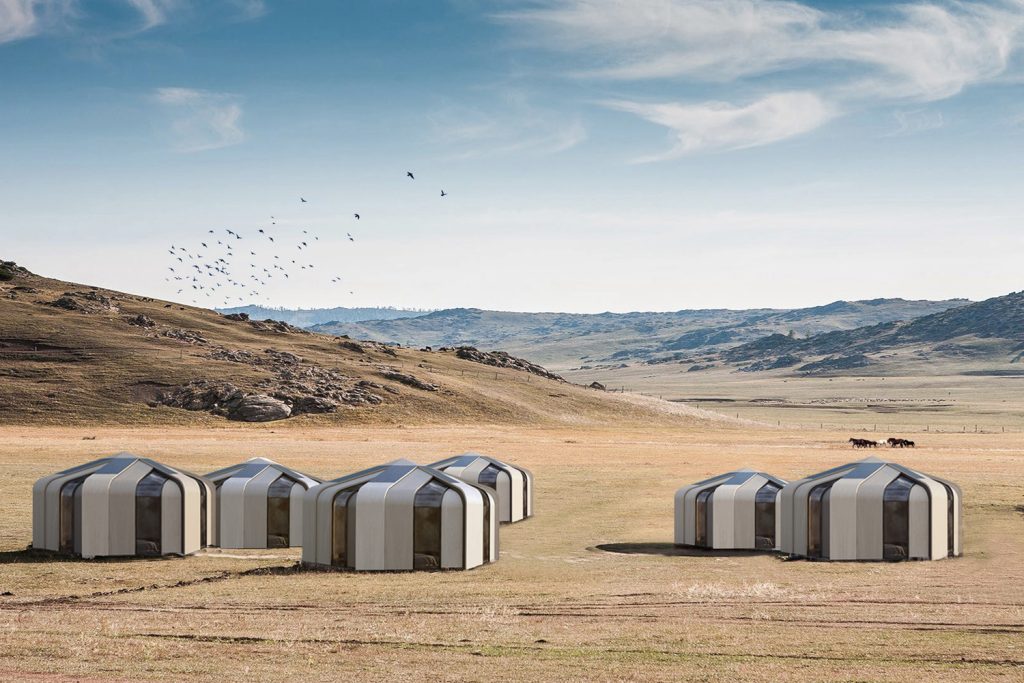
(565, 341)
(70, 353)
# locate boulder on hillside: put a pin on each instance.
(237, 317)
(259, 408)
(597, 385)
(313, 405)
(140, 320)
(408, 380)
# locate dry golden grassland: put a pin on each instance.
(943, 397)
(556, 606)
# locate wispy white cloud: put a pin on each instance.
(17, 19)
(153, 12)
(249, 9)
(202, 120)
(925, 51)
(906, 53)
(913, 121)
(21, 19)
(512, 124)
(724, 126)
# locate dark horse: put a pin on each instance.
(863, 443)
(899, 443)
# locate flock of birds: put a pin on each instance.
(228, 268)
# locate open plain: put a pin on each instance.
(589, 589)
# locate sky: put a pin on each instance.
(597, 155)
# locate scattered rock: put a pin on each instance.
(597, 385)
(352, 346)
(409, 380)
(278, 326)
(188, 336)
(696, 367)
(141, 320)
(313, 405)
(236, 356)
(9, 270)
(238, 317)
(67, 303)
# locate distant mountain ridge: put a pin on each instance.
(307, 317)
(569, 340)
(990, 330)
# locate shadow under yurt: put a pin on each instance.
(123, 506)
(399, 517)
(513, 484)
(733, 511)
(871, 510)
(259, 504)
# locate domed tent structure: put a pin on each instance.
(514, 484)
(399, 517)
(871, 510)
(735, 510)
(259, 504)
(123, 505)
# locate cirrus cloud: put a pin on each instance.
(883, 56)
(201, 120)
(724, 126)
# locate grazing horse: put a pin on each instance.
(863, 443)
(899, 443)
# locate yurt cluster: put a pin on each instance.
(866, 510)
(398, 516)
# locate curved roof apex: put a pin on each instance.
(467, 458)
(392, 472)
(862, 469)
(254, 466)
(737, 477)
(118, 462)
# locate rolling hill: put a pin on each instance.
(990, 331)
(74, 354)
(565, 341)
(308, 317)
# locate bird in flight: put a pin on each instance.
(350, 237)
(410, 175)
(301, 199)
(356, 215)
(443, 193)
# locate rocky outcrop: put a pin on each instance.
(259, 408)
(85, 302)
(597, 385)
(500, 359)
(278, 326)
(187, 336)
(408, 380)
(140, 320)
(351, 346)
(237, 317)
(10, 270)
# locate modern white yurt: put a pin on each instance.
(259, 504)
(735, 510)
(871, 510)
(399, 517)
(123, 505)
(514, 484)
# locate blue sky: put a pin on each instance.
(598, 155)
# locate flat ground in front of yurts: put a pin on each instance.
(591, 588)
